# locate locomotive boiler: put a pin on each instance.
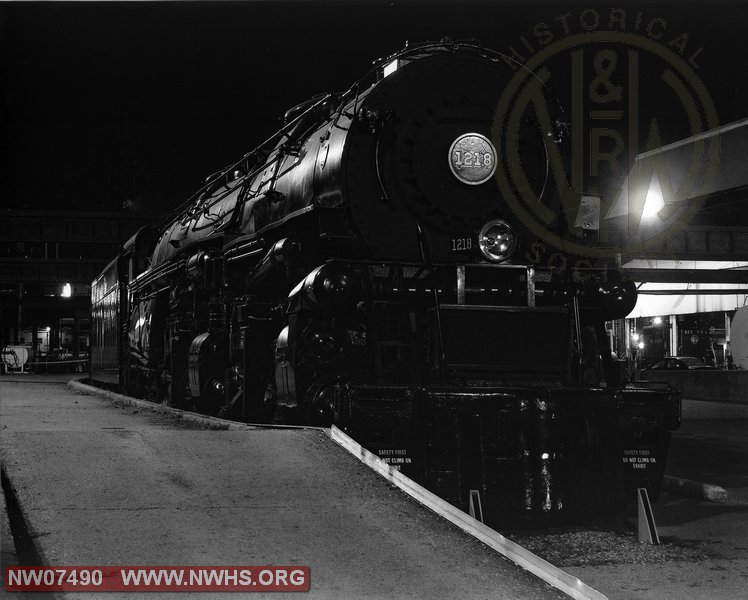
(362, 268)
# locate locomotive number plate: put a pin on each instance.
(462, 244)
(472, 158)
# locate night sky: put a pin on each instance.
(105, 104)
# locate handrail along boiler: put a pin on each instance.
(360, 267)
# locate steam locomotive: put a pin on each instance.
(361, 267)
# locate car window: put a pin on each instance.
(660, 364)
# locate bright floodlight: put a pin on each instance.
(657, 321)
(67, 291)
(641, 345)
(654, 202)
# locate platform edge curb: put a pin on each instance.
(550, 574)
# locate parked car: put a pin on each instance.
(677, 363)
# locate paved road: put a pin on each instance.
(712, 446)
(107, 485)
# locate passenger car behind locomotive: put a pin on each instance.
(361, 268)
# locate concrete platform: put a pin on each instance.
(107, 485)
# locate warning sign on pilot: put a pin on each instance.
(638, 459)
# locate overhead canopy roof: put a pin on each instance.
(731, 142)
(688, 297)
(696, 290)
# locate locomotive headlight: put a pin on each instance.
(497, 240)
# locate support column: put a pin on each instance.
(35, 345)
(619, 333)
(76, 337)
(728, 347)
(627, 333)
(19, 316)
(673, 335)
